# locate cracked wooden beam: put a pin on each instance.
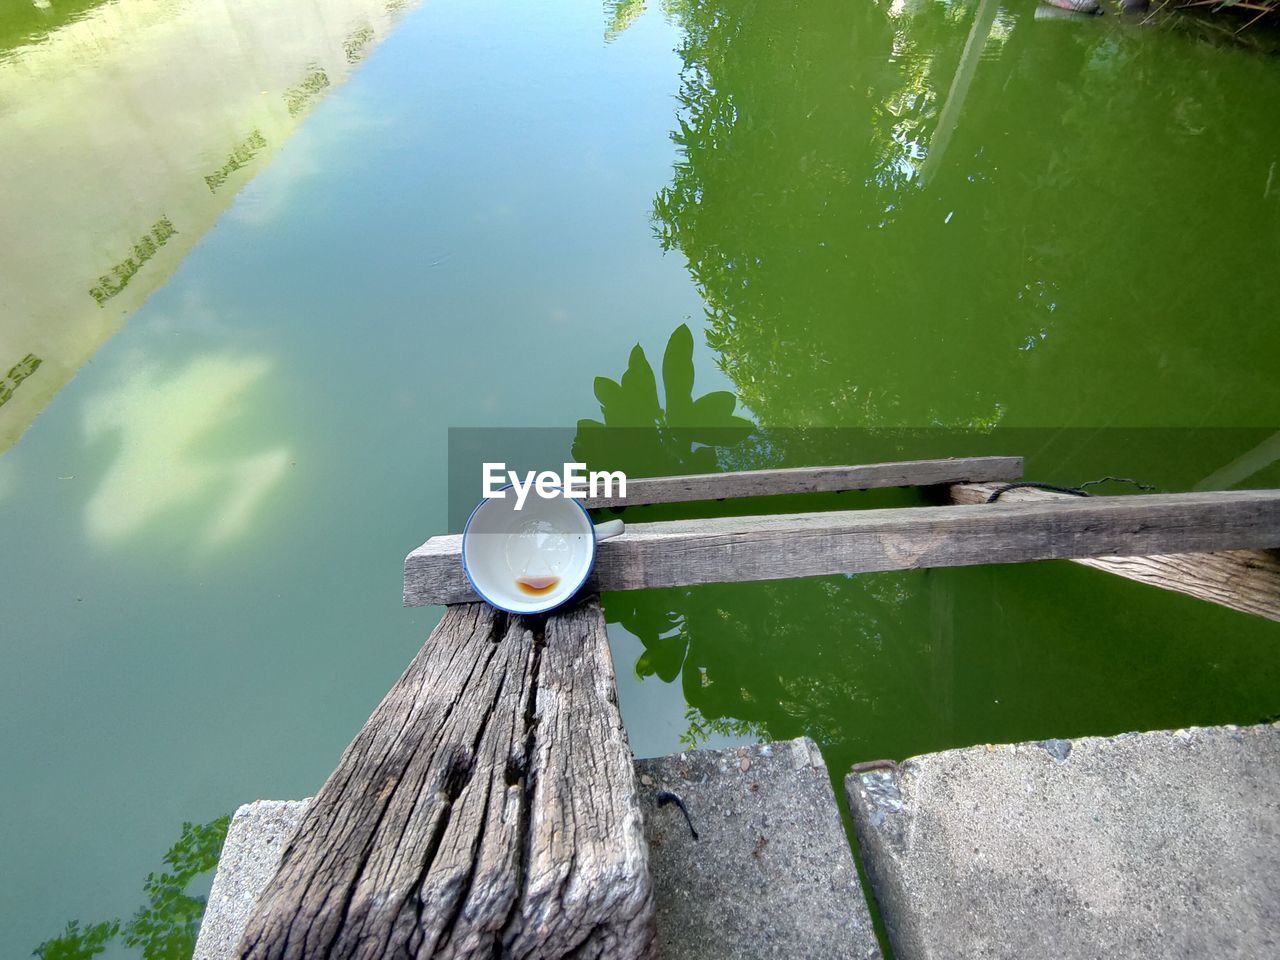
(1244, 580)
(488, 808)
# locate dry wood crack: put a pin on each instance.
(487, 808)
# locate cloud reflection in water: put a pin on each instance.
(171, 434)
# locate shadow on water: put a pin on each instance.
(166, 926)
(641, 437)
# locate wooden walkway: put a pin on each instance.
(489, 807)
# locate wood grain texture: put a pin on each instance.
(488, 808)
(586, 890)
(1244, 580)
(730, 549)
(767, 483)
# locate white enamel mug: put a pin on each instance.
(532, 559)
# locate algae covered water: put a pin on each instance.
(259, 258)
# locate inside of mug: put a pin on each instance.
(528, 560)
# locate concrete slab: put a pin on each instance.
(250, 855)
(770, 875)
(1146, 845)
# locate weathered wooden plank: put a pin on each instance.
(686, 552)
(767, 483)
(586, 890)
(1244, 580)
(487, 809)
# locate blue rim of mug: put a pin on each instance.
(591, 561)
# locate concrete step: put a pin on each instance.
(770, 874)
(1153, 845)
(769, 877)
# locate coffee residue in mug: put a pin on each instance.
(537, 586)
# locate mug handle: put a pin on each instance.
(610, 528)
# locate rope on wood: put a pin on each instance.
(1073, 491)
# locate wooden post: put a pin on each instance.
(949, 116)
(488, 808)
(1244, 580)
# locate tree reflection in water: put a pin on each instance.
(951, 213)
(165, 928)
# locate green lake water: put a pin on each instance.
(259, 258)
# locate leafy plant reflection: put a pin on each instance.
(642, 437)
(166, 926)
(79, 943)
(723, 641)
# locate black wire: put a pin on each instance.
(1137, 483)
(666, 796)
(1005, 488)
